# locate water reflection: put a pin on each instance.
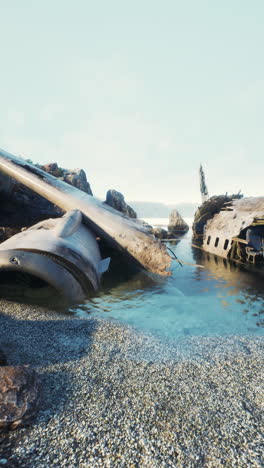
(207, 296)
(233, 279)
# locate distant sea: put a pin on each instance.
(163, 222)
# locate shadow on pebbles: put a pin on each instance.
(115, 397)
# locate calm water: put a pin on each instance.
(208, 297)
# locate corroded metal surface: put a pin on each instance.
(118, 230)
(227, 224)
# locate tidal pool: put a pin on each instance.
(207, 296)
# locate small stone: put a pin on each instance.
(3, 461)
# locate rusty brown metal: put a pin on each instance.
(227, 225)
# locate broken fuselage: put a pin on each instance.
(237, 231)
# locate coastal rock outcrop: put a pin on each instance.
(53, 169)
(160, 233)
(19, 396)
(21, 207)
(6, 233)
(75, 177)
(117, 201)
(177, 225)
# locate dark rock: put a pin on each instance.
(19, 396)
(177, 225)
(160, 233)
(78, 179)
(116, 200)
(53, 169)
(3, 360)
(146, 225)
(6, 233)
(21, 207)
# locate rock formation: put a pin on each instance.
(116, 200)
(75, 177)
(19, 396)
(177, 225)
(21, 207)
(6, 233)
(160, 233)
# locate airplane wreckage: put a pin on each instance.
(231, 227)
(63, 253)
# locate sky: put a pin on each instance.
(137, 93)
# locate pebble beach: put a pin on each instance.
(113, 396)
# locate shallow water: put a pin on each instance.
(207, 298)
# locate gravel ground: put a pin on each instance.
(114, 397)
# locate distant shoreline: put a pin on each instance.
(164, 221)
(161, 210)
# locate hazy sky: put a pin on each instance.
(137, 93)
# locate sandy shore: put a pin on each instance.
(115, 397)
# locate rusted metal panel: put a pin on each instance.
(228, 224)
(119, 231)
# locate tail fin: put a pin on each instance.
(68, 224)
(103, 265)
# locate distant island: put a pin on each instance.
(161, 210)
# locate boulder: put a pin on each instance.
(117, 201)
(177, 225)
(75, 177)
(160, 233)
(53, 169)
(78, 179)
(6, 233)
(144, 224)
(19, 396)
(21, 207)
